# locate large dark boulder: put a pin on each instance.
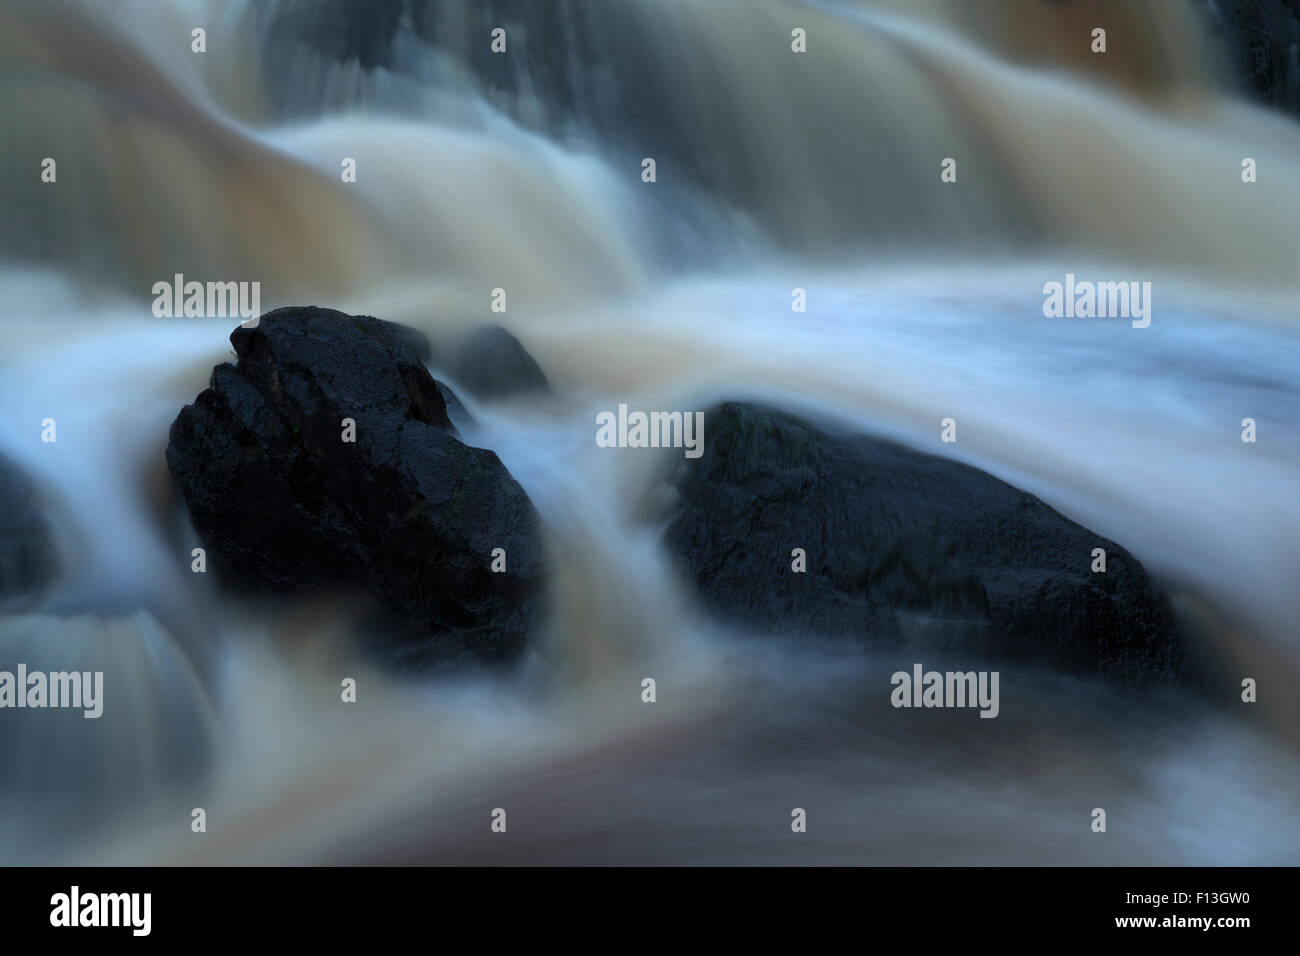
(904, 548)
(28, 560)
(407, 511)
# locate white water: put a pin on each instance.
(1132, 432)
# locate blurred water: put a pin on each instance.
(924, 301)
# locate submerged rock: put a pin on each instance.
(905, 548)
(490, 363)
(406, 510)
(28, 560)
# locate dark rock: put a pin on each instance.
(489, 362)
(28, 560)
(904, 547)
(408, 511)
(1263, 39)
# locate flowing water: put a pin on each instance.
(774, 171)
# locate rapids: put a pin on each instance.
(776, 171)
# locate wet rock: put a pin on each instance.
(490, 363)
(1262, 38)
(406, 511)
(905, 548)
